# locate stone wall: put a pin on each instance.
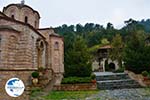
(24, 75)
(26, 45)
(57, 57)
(23, 49)
(75, 87)
(137, 77)
(57, 54)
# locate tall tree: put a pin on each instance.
(137, 53)
(78, 59)
(117, 49)
(109, 26)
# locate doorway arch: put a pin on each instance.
(111, 66)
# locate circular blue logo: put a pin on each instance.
(14, 87)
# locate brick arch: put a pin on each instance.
(56, 45)
(33, 17)
(12, 11)
(40, 48)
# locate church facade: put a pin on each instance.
(24, 47)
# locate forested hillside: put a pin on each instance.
(91, 36)
(146, 24)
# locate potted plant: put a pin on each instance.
(93, 77)
(145, 75)
(35, 76)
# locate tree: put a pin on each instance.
(104, 41)
(78, 59)
(137, 53)
(79, 28)
(117, 49)
(109, 26)
(133, 26)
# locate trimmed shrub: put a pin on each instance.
(145, 73)
(93, 76)
(35, 74)
(74, 80)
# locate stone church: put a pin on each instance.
(24, 48)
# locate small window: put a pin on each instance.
(35, 24)
(26, 19)
(56, 46)
(12, 16)
(0, 41)
(41, 44)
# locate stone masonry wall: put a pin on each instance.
(75, 87)
(57, 54)
(27, 54)
(25, 76)
(57, 57)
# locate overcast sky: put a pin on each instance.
(57, 12)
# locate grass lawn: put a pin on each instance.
(69, 95)
(38, 94)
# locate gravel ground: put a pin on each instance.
(122, 94)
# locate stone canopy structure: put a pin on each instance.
(24, 47)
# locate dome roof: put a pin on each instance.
(20, 6)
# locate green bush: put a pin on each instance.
(74, 80)
(93, 76)
(148, 75)
(35, 74)
(145, 73)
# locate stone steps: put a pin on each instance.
(115, 76)
(115, 81)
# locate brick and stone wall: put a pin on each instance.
(24, 75)
(24, 48)
(75, 87)
(26, 45)
(57, 57)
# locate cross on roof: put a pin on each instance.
(22, 2)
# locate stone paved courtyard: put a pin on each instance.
(122, 94)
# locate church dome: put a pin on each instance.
(23, 13)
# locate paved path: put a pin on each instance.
(122, 94)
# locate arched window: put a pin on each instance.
(56, 46)
(26, 19)
(35, 24)
(41, 45)
(40, 52)
(12, 16)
